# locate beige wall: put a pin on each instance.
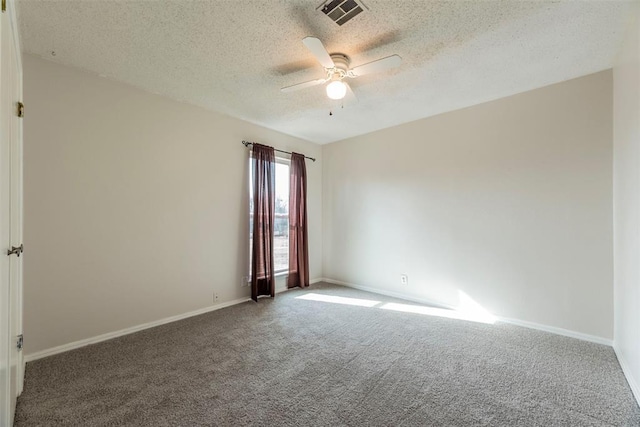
(626, 172)
(508, 202)
(135, 205)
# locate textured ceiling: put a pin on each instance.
(233, 56)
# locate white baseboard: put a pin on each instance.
(633, 383)
(558, 331)
(110, 335)
(523, 323)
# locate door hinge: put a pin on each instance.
(20, 109)
(20, 343)
(4, 6)
(16, 250)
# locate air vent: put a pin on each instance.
(341, 11)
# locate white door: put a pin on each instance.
(15, 268)
(5, 231)
(11, 372)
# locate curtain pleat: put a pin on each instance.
(298, 242)
(264, 196)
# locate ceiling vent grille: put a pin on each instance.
(341, 11)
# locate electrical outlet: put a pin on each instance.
(404, 279)
(244, 282)
(215, 297)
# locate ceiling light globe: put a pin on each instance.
(336, 90)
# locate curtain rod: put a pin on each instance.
(248, 143)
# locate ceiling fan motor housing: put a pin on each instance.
(341, 67)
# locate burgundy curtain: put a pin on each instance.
(264, 195)
(298, 244)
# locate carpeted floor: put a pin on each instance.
(296, 362)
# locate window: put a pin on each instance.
(281, 221)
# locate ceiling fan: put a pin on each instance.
(336, 66)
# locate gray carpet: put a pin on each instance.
(294, 362)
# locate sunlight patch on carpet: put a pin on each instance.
(440, 312)
(467, 309)
(339, 300)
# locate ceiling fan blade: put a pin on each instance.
(350, 97)
(317, 48)
(376, 66)
(303, 85)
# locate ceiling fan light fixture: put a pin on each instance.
(336, 89)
